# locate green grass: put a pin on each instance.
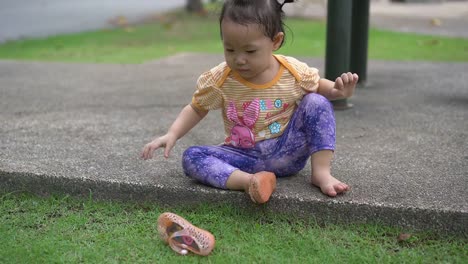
(62, 229)
(180, 32)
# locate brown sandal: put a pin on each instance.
(182, 236)
(261, 186)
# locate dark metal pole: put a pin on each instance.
(359, 39)
(338, 49)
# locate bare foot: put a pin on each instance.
(329, 185)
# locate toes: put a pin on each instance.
(341, 187)
(346, 187)
(330, 191)
(330, 186)
(334, 190)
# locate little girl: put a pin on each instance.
(276, 109)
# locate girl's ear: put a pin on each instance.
(277, 40)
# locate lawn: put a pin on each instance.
(179, 32)
(61, 229)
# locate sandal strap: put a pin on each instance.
(178, 247)
(179, 233)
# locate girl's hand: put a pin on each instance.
(167, 141)
(344, 85)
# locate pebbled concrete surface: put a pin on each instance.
(79, 128)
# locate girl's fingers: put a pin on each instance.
(345, 84)
(356, 78)
(350, 77)
(148, 150)
(143, 153)
(167, 150)
(344, 77)
(339, 83)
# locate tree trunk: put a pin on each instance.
(195, 6)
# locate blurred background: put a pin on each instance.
(136, 31)
(40, 18)
(20, 19)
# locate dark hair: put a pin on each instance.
(266, 13)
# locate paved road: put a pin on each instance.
(26, 18)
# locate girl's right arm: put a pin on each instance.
(187, 119)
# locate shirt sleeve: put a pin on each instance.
(207, 96)
(309, 78)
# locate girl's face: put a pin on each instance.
(248, 51)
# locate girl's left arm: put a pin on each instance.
(342, 87)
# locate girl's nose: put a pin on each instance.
(240, 60)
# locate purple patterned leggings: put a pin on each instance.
(311, 128)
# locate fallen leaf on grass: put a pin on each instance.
(129, 29)
(436, 22)
(431, 42)
(119, 21)
(403, 237)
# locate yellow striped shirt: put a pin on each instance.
(278, 98)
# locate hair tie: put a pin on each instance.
(284, 2)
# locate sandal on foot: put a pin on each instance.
(182, 236)
(261, 186)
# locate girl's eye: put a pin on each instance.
(251, 51)
(229, 50)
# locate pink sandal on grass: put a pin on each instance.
(261, 187)
(183, 237)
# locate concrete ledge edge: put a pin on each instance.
(439, 221)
